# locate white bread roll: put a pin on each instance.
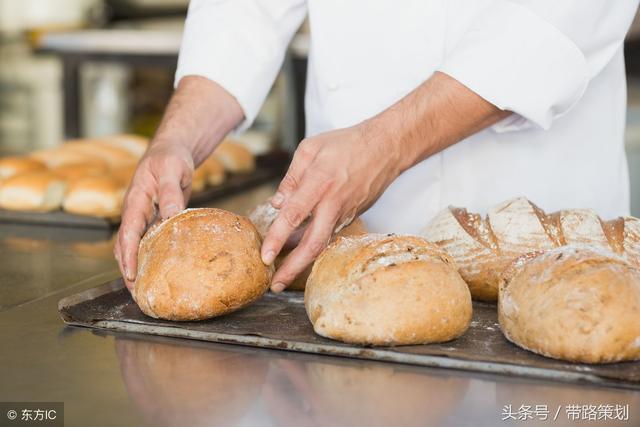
(14, 165)
(199, 264)
(99, 196)
(387, 290)
(73, 171)
(134, 144)
(235, 157)
(34, 191)
(574, 303)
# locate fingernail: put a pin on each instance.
(277, 199)
(170, 210)
(268, 257)
(127, 274)
(278, 287)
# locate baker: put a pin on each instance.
(410, 107)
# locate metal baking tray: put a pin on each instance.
(279, 321)
(268, 167)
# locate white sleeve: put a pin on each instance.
(239, 44)
(536, 57)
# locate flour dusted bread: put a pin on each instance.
(99, 196)
(14, 165)
(484, 247)
(199, 264)
(575, 303)
(35, 191)
(387, 290)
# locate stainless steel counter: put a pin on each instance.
(131, 380)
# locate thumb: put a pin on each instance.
(171, 199)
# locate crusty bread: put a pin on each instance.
(580, 304)
(235, 157)
(99, 196)
(124, 173)
(199, 264)
(73, 171)
(215, 170)
(263, 216)
(14, 165)
(387, 290)
(484, 247)
(134, 144)
(33, 191)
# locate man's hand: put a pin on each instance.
(199, 115)
(332, 178)
(162, 179)
(337, 175)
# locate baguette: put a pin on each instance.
(484, 247)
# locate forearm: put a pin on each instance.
(198, 117)
(437, 114)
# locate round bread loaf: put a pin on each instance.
(387, 290)
(580, 304)
(199, 264)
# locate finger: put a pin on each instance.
(171, 198)
(137, 215)
(293, 213)
(315, 239)
(302, 158)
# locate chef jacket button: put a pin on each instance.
(333, 86)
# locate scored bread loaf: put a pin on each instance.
(235, 157)
(99, 196)
(576, 303)
(263, 216)
(41, 191)
(14, 165)
(484, 247)
(387, 290)
(199, 264)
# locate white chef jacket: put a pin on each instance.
(557, 64)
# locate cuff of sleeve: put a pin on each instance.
(519, 62)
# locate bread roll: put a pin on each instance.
(14, 165)
(199, 264)
(579, 304)
(235, 157)
(199, 180)
(99, 196)
(484, 247)
(387, 290)
(34, 191)
(56, 157)
(215, 171)
(263, 216)
(113, 156)
(124, 174)
(74, 171)
(134, 144)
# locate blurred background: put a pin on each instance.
(90, 68)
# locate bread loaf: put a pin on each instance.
(199, 264)
(73, 171)
(215, 171)
(235, 157)
(575, 303)
(14, 165)
(112, 155)
(484, 247)
(199, 180)
(263, 216)
(387, 290)
(34, 191)
(55, 157)
(134, 144)
(99, 196)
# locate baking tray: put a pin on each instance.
(267, 167)
(279, 321)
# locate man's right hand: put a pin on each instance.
(160, 188)
(199, 115)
